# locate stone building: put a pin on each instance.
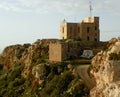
(57, 51)
(87, 30)
(61, 51)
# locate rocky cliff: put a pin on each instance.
(26, 72)
(106, 71)
(27, 54)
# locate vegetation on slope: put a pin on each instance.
(58, 81)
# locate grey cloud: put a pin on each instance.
(107, 6)
(60, 6)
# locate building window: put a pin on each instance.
(70, 33)
(95, 39)
(78, 29)
(88, 29)
(63, 29)
(88, 38)
(63, 38)
(70, 29)
(95, 34)
(68, 48)
(95, 28)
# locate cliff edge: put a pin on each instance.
(105, 69)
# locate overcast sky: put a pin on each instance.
(23, 21)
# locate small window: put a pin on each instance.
(95, 39)
(63, 29)
(88, 29)
(70, 29)
(78, 29)
(88, 38)
(95, 34)
(95, 28)
(68, 48)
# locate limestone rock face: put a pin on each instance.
(12, 54)
(106, 71)
(26, 54)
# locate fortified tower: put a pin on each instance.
(87, 30)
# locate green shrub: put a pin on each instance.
(16, 72)
(114, 56)
(64, 80)
(89, 69)
(2, 92)
(20, 52)
(57, 85)
(49, 88)
(77, 89)
(105, 48)
(3, 83)
(1, 67)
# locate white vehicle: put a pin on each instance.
(87, 54)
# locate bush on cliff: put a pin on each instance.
(114, 56)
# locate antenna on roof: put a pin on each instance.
(64, 21)
(90, 6)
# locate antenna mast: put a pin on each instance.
(90, 6)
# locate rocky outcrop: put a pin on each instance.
(106, 71)
(26, 54)
(12, 54)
